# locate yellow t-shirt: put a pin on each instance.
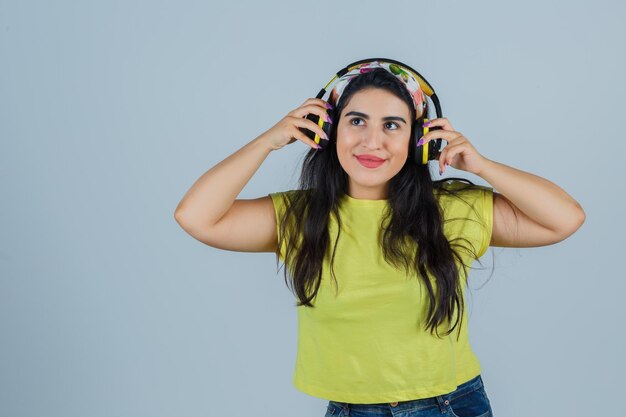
(366, 344)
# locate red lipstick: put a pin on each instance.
(369, 161)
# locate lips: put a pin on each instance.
(369, 161)
(370, 158)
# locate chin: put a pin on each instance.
(375, 180)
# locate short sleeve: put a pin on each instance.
(278, 199)
(469, 217)
(486, 208)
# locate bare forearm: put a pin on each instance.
(212, 195)
(541, 200)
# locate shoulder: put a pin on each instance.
(283, 201)
(285, 194)
(281, 198)
(468, 212)
(463, 202)
(286, 218)
(460, 186)
(455, 192)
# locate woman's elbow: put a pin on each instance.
(576, 223)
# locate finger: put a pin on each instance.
(443, 159)
(312, 126)
(298, 134)
(442, 122)
(442, 162)
(448, 154)
(447, 135)
(317, 101)
(303, 111)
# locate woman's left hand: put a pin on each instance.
(459, 152)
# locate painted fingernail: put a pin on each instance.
(420, 142)
(328, 119)
(427, 124)
(328, 105)
(318, 147)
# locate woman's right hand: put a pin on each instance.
(287, 130)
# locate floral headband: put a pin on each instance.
(407, 78)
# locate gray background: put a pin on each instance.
(109, 111)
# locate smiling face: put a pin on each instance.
(377, 123)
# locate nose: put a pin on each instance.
(372, 139)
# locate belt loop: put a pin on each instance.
(443, 402)
(346, 409)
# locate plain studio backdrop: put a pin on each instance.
(109, 111)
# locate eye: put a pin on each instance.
(358, 118)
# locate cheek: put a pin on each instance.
(401, 148)
(346, 144)
(345, 139)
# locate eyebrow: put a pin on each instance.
(366, 117)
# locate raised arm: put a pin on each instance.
(209, 210)
(528, 210)
(211, 214)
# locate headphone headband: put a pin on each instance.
(424, 84)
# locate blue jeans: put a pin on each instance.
(467, 400)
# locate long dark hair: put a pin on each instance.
(413, 213)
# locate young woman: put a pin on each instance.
(377, 252)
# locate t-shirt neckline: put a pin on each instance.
(363, 202)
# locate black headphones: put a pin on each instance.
(421, 154)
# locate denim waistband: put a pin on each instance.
(441, 400)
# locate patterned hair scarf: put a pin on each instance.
(407, 78)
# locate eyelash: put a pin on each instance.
(358, 118)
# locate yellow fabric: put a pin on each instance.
(366, 344)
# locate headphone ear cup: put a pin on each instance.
(429, 151)
(418, 133)
(326, 127)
